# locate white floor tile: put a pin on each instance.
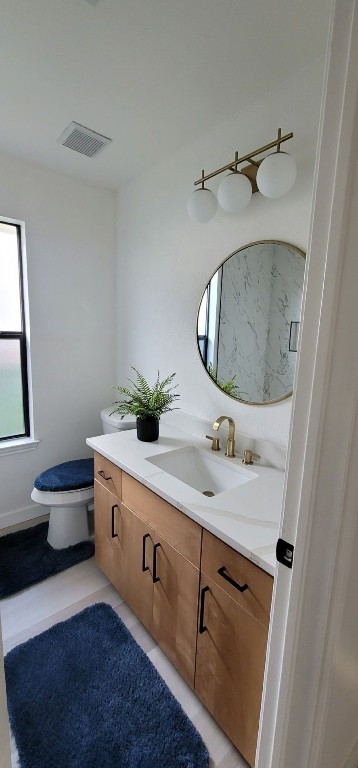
(182, 692)
(53, 595)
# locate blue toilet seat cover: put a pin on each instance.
(69, 476)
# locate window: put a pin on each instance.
(203, 326)
(14, 397)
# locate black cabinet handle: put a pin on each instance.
(103, 474)
(144, 566)
(240, 587)
(114, 535)
(155, 577)
(202, 627)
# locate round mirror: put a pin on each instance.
(249, 319)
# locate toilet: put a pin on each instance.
(67, 489)
(114, 422)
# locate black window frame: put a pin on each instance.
(203, 337)
(20, 335)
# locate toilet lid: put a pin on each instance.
(69, 476)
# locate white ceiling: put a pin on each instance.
(151, 74)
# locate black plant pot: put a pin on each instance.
(148, 429)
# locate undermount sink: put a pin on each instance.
(201, 470)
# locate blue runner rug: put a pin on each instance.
(83, 694)
(26, 558)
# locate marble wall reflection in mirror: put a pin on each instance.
(248, 321)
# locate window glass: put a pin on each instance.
(14, 398)
(10, 303)
(202, 329)
(11, 400)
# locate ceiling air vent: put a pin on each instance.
(83, 140)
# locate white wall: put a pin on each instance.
(165, 259)
(70, 235)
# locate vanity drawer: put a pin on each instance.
(256, 599)
(173, 526)
(108, 474)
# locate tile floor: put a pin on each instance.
(38, 608)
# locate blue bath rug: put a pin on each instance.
(26, 558)
(83, 694)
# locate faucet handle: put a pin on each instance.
(249, 456)
(215, 442)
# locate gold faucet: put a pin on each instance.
(230, 447)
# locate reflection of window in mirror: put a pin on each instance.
(208, 321)
(202, 326)
(293, 343)
(245, 328)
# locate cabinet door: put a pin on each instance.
(175, 603)
(108, 534)
(230, 663)
(137, 581)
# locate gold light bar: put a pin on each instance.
(233, 165)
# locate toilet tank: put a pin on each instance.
(114, 422)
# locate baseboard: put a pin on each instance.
(21, 515)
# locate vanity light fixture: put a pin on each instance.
(273, 175)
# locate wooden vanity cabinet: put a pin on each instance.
(224, 565)
(175, 607)
(108, 475)
(206, 605)
(151, 553)
(137, 582)
(231, 645)
(161, 587)
(173, 526)
(170, 555)
(108, 534)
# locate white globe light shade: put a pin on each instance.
(234, 192)
(202, 205)
(276, 174)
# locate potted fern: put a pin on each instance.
(146, 403)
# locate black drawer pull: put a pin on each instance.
(102, 474)
(202, 627)
(114, 535)
(155, 577)
(228, 578)
(144, 566)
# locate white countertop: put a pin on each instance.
(247, 518)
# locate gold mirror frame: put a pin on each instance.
(237, 250)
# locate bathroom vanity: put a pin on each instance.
(187, 565)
